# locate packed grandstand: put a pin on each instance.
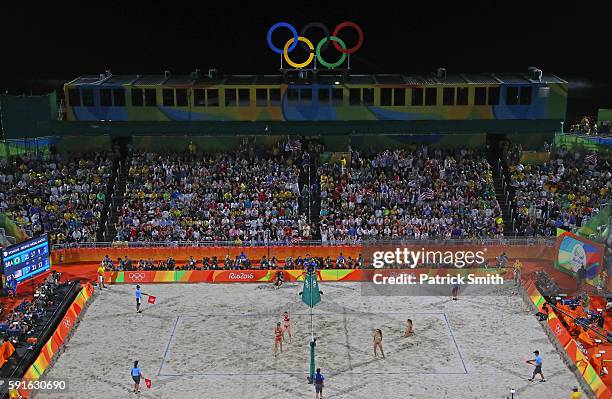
(279, 195)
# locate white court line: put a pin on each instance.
(450, 333)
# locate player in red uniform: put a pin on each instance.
(287, 326)
(278, 338)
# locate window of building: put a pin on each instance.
(244, 97)
(399, 97)
(512, 96)
(448, 96)
(368, 96)
(106, 99)
(275, 97)
(119, 97)
(292, 97)
(199, 97)
(230, 97)
(212, 97)
(337, 96)
(354, 97)
(417, 96)
(462, 96)
(74, 97)
(385, 97)
(181, 98)
(430, 96)
(493, 96)
(168, 97)
(137, 98)
(150, 97)
(480, 96)
(88, 97)
(525, 95)
(261, 97)
(306, 97)
(324, 97)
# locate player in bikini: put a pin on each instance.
(280, 277)
(287, 325)
(278, 338)
(378, 342)
(409, 331)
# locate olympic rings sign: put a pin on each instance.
(311, 48)
(136, 276)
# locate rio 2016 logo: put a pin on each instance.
(241, 276)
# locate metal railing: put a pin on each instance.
(513, 241)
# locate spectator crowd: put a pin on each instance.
(409, 194)
(562, 193)
(60, 194)
(260, 196)
(242, 197)
(240, 262)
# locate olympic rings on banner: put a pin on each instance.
(307, 45)
(320, 58)
(310, 53)
(283, 25)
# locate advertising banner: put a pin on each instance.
(573, 349)
(57, 339)
(573, 252)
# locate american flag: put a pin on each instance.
(293, 145)
(427, 194)
(591, 158)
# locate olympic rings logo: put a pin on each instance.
(136, 276)
(321, 46)
(67, 322)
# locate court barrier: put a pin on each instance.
(524, 249)
(574, 350)
(58, 338)
(268, 276)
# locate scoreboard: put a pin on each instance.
(26, 259)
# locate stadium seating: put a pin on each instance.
(562, 193)
(222, 197)
(409, 194)
(61, 194)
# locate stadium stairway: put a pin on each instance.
(308, 178)
(110, 189)
(502, 193)
(117, 197)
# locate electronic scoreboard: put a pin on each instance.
(27, 259)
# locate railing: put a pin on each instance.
(514, 241)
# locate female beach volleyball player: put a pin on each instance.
(280, 277)
(278, 338)
(287, 325)
(136, 376)
(409, 332)
(378, 342)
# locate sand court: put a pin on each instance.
(216, 341)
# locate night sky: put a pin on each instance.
(61, 42)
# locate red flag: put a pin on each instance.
(151, 299)
(148, 381)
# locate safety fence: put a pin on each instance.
(518, 241)
(573, 348)
(523, 249)
(268, 276)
